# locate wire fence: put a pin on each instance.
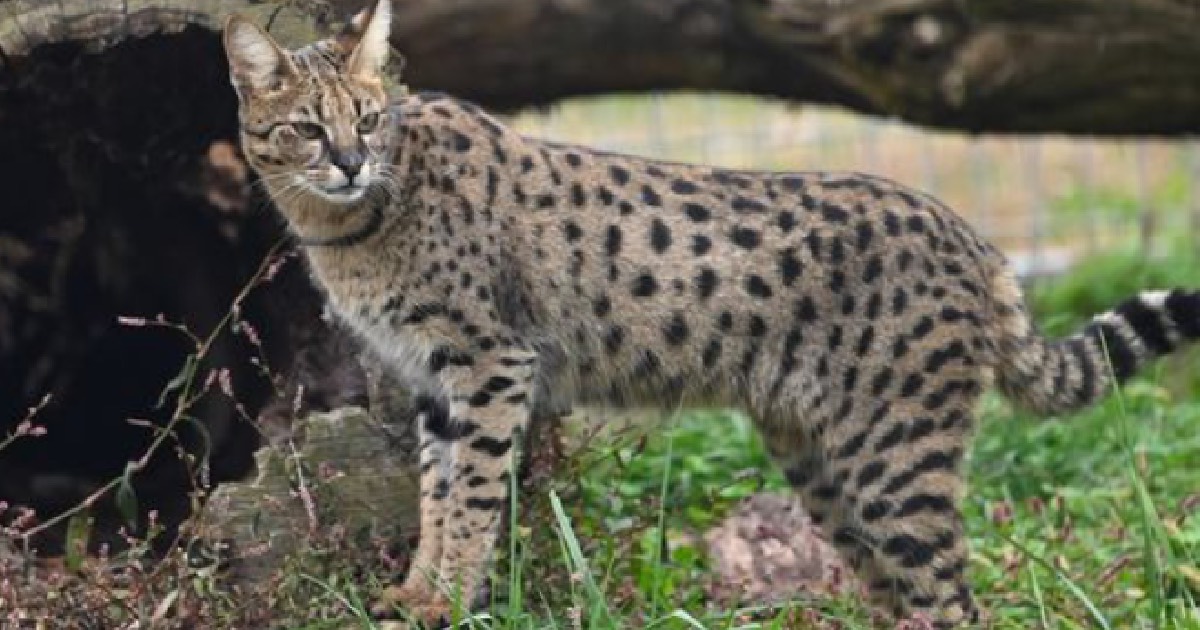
(1048, 201)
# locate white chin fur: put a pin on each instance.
(336, 189)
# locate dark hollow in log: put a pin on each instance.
(124, 197)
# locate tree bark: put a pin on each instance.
(1076, 66)
(26, 24)
(1071, 66)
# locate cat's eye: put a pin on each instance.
(308, 130)
(368, 123)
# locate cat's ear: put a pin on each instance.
(366, 40)
(256, 62)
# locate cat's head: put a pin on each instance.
(314, 120)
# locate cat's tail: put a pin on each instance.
(1051, 376)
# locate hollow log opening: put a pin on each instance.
(125, 196)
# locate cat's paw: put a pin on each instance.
(431, 615)
(418, 600)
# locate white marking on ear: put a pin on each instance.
(371, 52)
(256, 62)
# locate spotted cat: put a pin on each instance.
(856, 320)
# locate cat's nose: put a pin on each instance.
(349, 162)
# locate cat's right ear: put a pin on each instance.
(256, 62)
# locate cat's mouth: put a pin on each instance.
(345, 193)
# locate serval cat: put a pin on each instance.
(856, 320)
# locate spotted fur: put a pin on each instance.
(855, 319)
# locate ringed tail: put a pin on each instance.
(1054, 376)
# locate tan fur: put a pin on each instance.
(855, 319)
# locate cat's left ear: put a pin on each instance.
(256, 62)
(366, 39)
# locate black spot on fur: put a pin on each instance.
(745, 204)
(706, 283)
(683, 187)
(758, 326)
(697, 212)
(572, 231)
(650, 198)
(644, 285)
(660, 236)
(602, 306)
(806, 309)
(676, 330)
(790, 267)
(491, 446)
(745, 237)
(876, 510)
(792, 183)
(712, 352)
(870, 473)
(612, 240)
(758, 287)
(620, 175)
(786, 221)
(833, 213)
(613, 339)
(490, 504)
(459, 142)
(864, 234)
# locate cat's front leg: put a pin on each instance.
(436, 461)
(490, 400)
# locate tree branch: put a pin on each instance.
(1073, 66)
(1076, 66)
